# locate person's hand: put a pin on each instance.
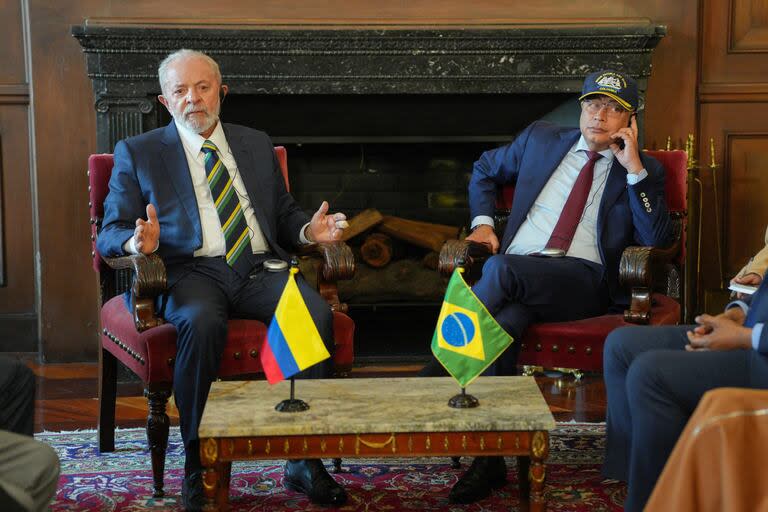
(629, 157)
(735, 314)
(718, 333)
(750, 279)
(324, 227)
(485, 235)
(146, 236)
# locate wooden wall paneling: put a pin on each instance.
(749, 26)
(64, 116)
(18, 292)
(735, 53)
(740, 134)
(746, 158)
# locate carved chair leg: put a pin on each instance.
(107, 398)
(337, 465)
(157, 435)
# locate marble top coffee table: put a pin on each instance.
(380, 417)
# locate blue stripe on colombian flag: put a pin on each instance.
(277, 354)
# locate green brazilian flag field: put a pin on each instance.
(467, 338)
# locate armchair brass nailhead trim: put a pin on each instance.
(555, 348)
(128, 350)
(589, 351)
(571, 349)
(254, 353)
(538, 347)
(236, 355)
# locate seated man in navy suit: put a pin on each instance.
(216, 208)
(656, 376)
(582, 195)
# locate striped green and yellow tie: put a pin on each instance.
(238, 239)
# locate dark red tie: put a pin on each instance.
(569, 219)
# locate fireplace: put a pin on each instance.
(385, 118)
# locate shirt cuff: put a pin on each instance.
(738, 303)
(481, 220)
(757, 330)
(302, 238)
(129, 247)
(634, 179)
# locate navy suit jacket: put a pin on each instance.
(623, 219)
(152, 168)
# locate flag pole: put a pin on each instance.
(292, 404)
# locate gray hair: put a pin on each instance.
(162, 69)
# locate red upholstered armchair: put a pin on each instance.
(147, 346)
(652, 274)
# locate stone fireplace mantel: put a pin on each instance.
(525, 58)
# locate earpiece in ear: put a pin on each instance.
(222, 94)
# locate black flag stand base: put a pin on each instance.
(463, 401)
(292, 404)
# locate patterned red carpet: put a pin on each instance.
(122, 481)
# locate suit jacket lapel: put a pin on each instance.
(531, 182)
(614, 187)
(245, 165)
(177, 169)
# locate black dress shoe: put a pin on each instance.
(192, 495)
(310, 477)
(485, 474)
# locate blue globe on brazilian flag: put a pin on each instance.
(467, 338)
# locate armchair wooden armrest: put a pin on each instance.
(336, 263)
(473, 255)
(638, 270)
(149, 281)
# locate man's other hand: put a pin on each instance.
(718, 333)
(146, 236)
(324, 227)
(485, 235)
(751, 279)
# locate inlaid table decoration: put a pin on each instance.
(380, 417)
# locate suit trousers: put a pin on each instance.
(199, 305)
(518, 290)
(653, 386)
(17, 397)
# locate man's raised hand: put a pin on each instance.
(326, 227)
(146, 236)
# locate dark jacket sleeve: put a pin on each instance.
(122, 206)
(648, 205)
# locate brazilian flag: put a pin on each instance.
(467, 338)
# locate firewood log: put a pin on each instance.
(377, 250)
(423, 234)
(363, 221)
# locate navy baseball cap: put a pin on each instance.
(615, 85)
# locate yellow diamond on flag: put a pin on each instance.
(458, 330)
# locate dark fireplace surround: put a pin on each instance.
(390, 118)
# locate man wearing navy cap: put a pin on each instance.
(582, 195)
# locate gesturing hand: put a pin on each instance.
(324, 227)
(718, 333)
(146, 236)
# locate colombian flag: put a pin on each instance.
(467, 338)
(293, 343)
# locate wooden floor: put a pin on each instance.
(67, 396)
